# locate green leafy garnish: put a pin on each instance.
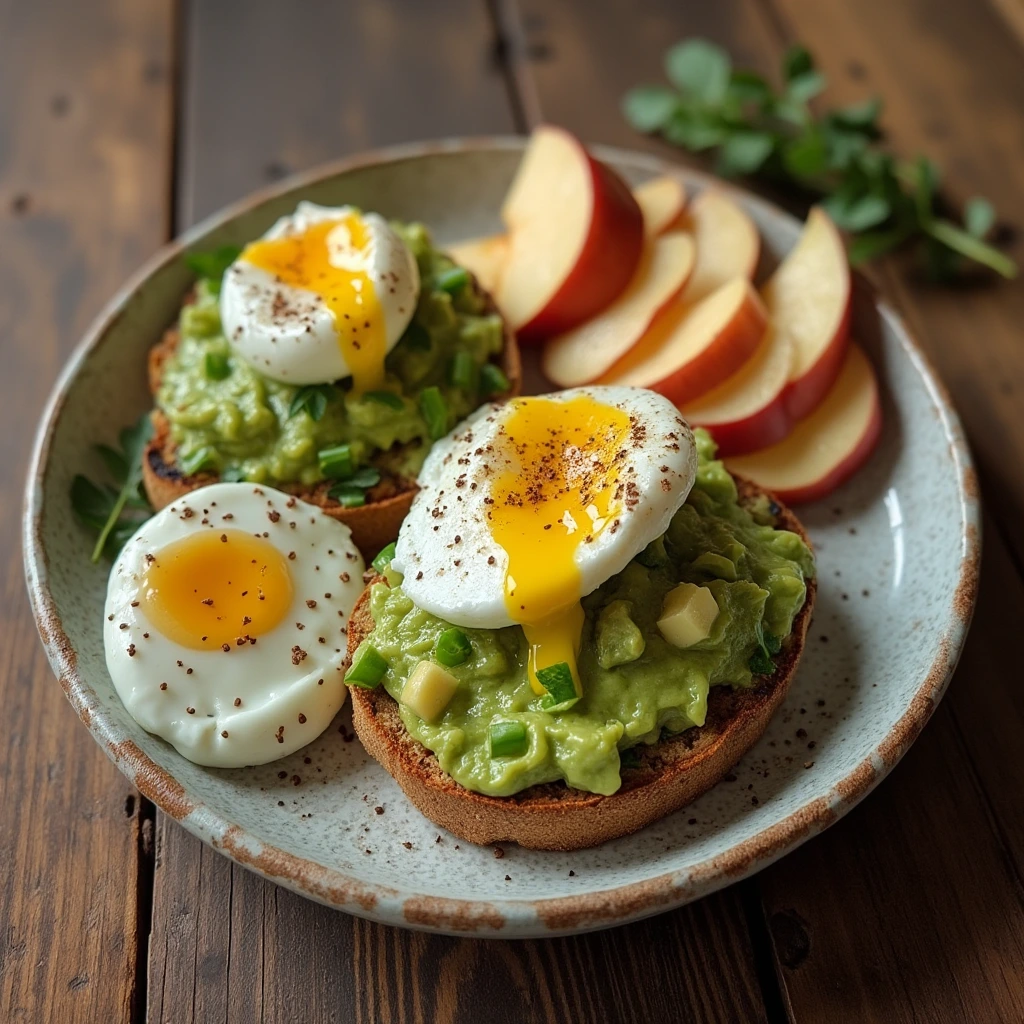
(834, 157)
(493, 380)
(388, 398)
(348, 495)
(452, 280)
(210, 266)
(312, 400)
(768, 645)
(217, 366)
(116, 513)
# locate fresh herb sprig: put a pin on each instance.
(210, 266)
(312, 399)
(836, 157)
(115, 512)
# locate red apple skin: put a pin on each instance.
(605, 263)
(767, 426)
(842, 472)
(735, 344)
(804, 395)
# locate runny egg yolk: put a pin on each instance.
(216, 588)
(330, 259)
(559, 491)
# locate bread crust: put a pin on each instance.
(671, 773)
(373, 525)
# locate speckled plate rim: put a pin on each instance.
(501, 918)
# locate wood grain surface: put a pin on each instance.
(122, 122)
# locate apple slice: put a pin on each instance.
(808, 298)
(483, 257)
(746, 412)
(661, 202)
(728, 245)
(689, 350)
(827, 447)
(583, 354)
(575, 237)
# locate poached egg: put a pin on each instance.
(326, 293)
(225, 623)
(527, 507)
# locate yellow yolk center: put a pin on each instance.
(559, 493)
(215, 588)
(330, 260)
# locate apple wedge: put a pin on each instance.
(661, 202)
(728, 245)
(575, 238)
(689, 350)
(808, 298)
(583, 354)
(828, 446)
(746, 412)
(483, 257)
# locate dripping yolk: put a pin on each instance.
(330, 259)
(215, 588)
(559, 491)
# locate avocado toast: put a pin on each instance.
(657, 717)
(217, 417)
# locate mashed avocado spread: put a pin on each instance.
(226, 417)
(635, 684)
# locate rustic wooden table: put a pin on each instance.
(122, 122)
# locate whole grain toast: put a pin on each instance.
(373, 525)
(670, 774)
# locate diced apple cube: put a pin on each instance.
(429, 690)
(687, 615)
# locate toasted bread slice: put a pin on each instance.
(373, 525)
(671, 773)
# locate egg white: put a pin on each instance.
(448, 518)
(288, 333)
(274, 690)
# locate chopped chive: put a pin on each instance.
(365, 476)
(557, 680)
(492, 380)
(453, 280)
(507, 739)
(435, 412)
(336, 463)
(388, 398)
(460, 371)
(200, 459)
(368, 667)
(383, 559)
(347, 495)
(452, 647)
(217, 366)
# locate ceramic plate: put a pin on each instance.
(898, 554)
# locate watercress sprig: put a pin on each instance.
(115, 512)
(835, 157)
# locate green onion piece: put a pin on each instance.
(383, 560)
(557, 680)
(388, 398)
(217, 366)
(453, 280)
(368, 667)
(435, 412)
(460, 371)
(452, 647)
(492, 380)
(232, 475)
(508, 739)
(347, 495)
(336, 463)
(364, 476)
(200, 459)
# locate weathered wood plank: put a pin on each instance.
(85, 142)
(224, 943)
